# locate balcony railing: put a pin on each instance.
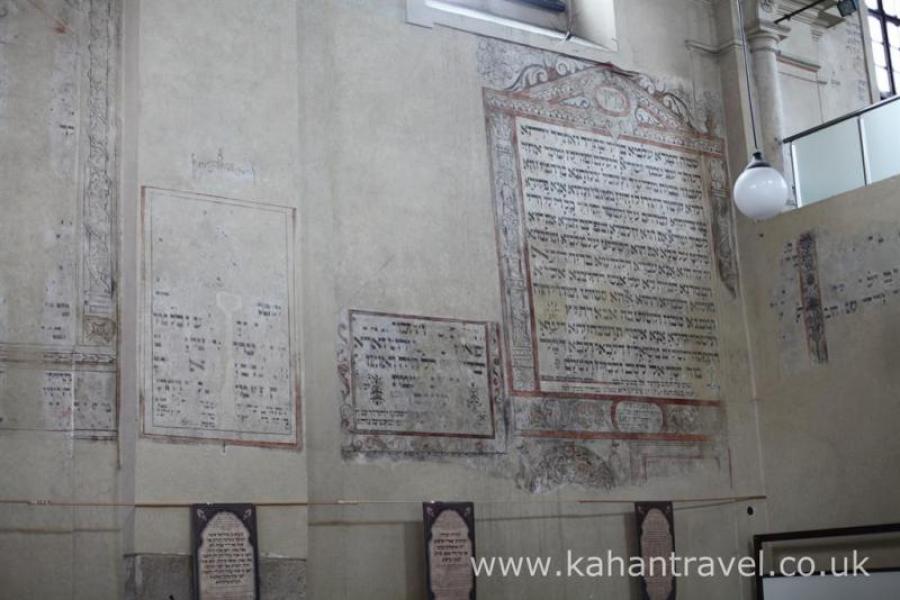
(847, 153)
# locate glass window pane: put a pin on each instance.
(879, 55)
(872, 4)
(892, 7)
(884, 83)
(880, 127)
(895, 58)
(894, 34)
(875, 30)
(828, 162)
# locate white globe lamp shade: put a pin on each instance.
(761, 191)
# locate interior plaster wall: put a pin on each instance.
(827, 436)
(211, 107)
(824, 70)
(375, 131)
(399, 206)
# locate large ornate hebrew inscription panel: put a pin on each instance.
(618, 265)
(218, 320)
(604, 244)
(607, 208)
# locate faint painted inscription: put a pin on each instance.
(620, 269)
(80, 401)
(811, 297)
(420, 385)
(825, 282)
(609, 419)
(58, 392)
(420, 376)
(639, 417)
(65, 391)
(58, 266)
(218, 167)
(218, 326)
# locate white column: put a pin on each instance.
(764, 56)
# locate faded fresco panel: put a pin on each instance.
(58, 113)
(827, 281)
(218, 348)
(420, 385)
(615, 247)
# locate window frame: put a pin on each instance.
(883, 19)
(527, 13)
(446, 13)
(550, 5)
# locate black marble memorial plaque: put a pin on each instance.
(226, 561)
(449, 548)
(656, 538)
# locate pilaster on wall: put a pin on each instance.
(806, 70)
(763, 38)
(763, 42)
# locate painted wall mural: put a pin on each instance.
(614, 242)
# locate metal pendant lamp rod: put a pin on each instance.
(791, 15)
(747, 69)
